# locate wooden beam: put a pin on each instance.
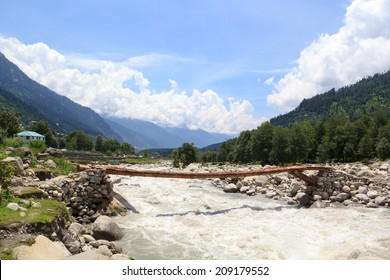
(294, 170)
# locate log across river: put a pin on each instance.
(296, 170)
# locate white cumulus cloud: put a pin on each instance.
(104, 86)
(360, 48)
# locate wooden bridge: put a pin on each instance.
(296, 170)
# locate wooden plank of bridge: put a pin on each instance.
(293, 170)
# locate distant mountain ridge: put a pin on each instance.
(362, 98)
(31, 101)
(146, 134)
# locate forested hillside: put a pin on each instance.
(350, 124)
(361, 99)
(31, 100)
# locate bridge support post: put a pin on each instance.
(307, 179)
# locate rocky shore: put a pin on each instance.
(354, 184)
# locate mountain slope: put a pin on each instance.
(363, 98)
(63, 114)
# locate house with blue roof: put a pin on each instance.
(28, 136)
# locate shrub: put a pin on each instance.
(13, 142)
(37, 146)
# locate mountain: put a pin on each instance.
(145, 135)
(362, 98)
(33, 101)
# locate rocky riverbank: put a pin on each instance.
(354, 184)
(87, 194)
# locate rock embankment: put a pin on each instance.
(85, 193)
(76, 242)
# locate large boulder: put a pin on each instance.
(231, 188)
(15, 161)
(42, 249)
(105, 228)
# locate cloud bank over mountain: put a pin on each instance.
(360, 48)
(116, 89)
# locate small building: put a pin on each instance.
(28, 136)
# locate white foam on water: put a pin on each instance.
(191, 219)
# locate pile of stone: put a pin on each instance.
(350, 184)
(84, 193)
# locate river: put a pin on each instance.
(192, 219)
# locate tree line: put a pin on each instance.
(338, 140)
(74, 140)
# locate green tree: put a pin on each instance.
(261, 143)
(366, 147)
(78, 140)
(111, 145)
(383, 148)
(9, 124)
(184, 155)
(99, 144)
(280, 153)
(127, 149)
(243, 149)
(44, 128)
(302, 141)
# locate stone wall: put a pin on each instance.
(84, 193)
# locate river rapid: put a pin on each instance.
(192, 219)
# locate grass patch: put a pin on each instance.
(49, 211)
(63, 166)
(7, 255)
(140, 161)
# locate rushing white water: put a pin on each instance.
(191, 219)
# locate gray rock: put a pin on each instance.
(346, 189)
(77, 229)
(343, 196)
(103, 249)
(13, 206)
(318, 204)
(362, 197)
(325, 196)
(261, 180)
(372, 194)
(380, 200)
(295, 187)
(50, 163)
(316, 197)
(302, 198)
(42, 155)
(105, 228)
(336, 205)
(230, 188)
(372, 205)
(88, 238)
(384, 167)
(17, 181)
(362, 190)
(15, 161)
(243, 189)
(42, 249)
(36, 205)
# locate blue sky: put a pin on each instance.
(259, 58)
